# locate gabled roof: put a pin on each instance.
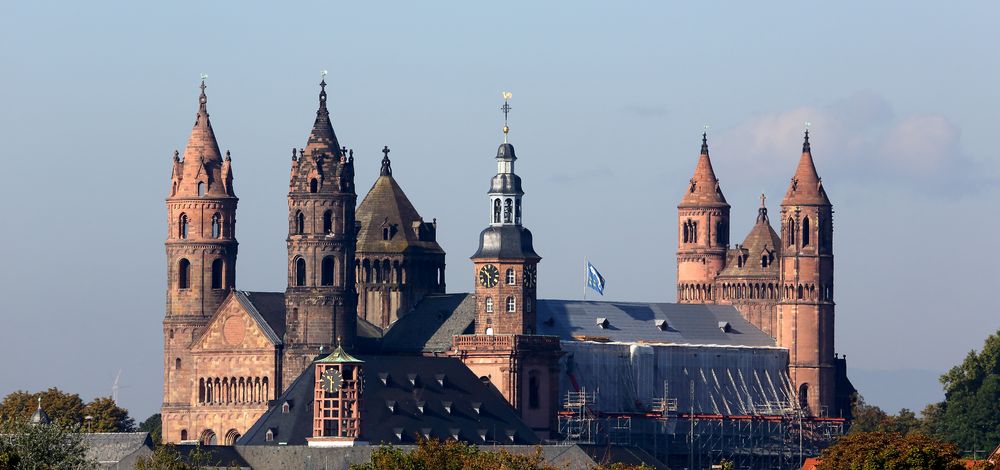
(635, 322)
(268, 311)
(404, 396)
(429, 327)
(386, 205)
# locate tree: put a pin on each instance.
(878, 450)
(154, 426)
(63, 408)
(106, 416)
(971, 409)
(167, 457)
(867, 418)
(47, 446)
(454, 455)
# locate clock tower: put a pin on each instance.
(337, 404)
(523, 366)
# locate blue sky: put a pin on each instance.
(609, 103)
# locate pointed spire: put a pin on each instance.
(704, 187)
(322, 139)
(202, 141)
(386, 165)
(806, 186)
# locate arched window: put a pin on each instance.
(489, 331)
(177, 364)
(313, 185)
(182, 226)
(386, 233)
(269, 435)
(508, 210)
(791, 232)
(184, 434)
(171, 333)
(300, 223)
(804, 396)
(805, 231)
(217, 269)
(763, 261)
(496, 211)
(326, 271)
(328, 221)
(511, 277)
(721, 234)
(184, 274)
(800, 293)
(489, 305)
(527, 305)
(367, 268)
(694, 232)
(533, 390)
(686, 236)
(208, 438)
(517, 211)
(300, 272)
(216, 225)
(201, 189)
(511, 304)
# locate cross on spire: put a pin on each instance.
(506, 110)
(386, 165)
(203, 98)
(762, 199)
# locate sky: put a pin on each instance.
(609, 102)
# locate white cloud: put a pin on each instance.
(858, 139)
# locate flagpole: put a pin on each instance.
(586, 277)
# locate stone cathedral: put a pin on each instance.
(366, 282)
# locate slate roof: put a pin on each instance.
(453, 400)
(387, 204)
(632, 322)
(268, 310)
(431, 324)
(429, 327)
(112, 447)
(507, 242)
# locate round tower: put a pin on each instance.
(201, 252)
(703, 233)
(320, 300)
(806, 312)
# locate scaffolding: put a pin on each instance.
(772, 434)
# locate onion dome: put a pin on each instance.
(40, 416)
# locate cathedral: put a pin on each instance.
(365, 344)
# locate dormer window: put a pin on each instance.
(603, 323)
(201, 189)
(269, 435)
(285, 407)
(661, 325)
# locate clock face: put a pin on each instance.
(489, 276)
(332, 380)
(530, 276)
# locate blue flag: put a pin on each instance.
(594, 279)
